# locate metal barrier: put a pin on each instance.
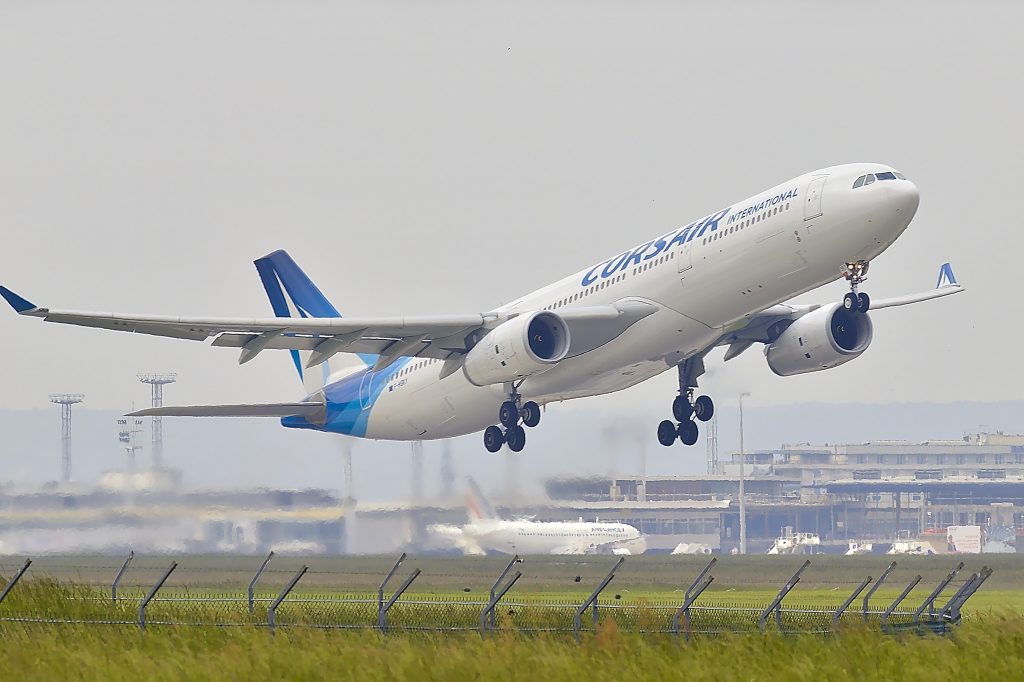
(591, 601)
(480, 614)
(152, 593)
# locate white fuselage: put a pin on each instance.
(552, 537)
(760, 251)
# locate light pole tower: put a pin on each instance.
(157, 382)
(743, 499)
(66, 400)
(447, 470)
(128, 429)
(417, 470)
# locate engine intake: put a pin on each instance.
(523, 346)
(823, 339)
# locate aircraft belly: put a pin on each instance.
(637, 354)
(437, 409)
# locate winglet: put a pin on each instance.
(17, 302)
(946, 276)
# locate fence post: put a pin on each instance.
(691, 594)
(493, 603)
(382, 615)
(120, 574)
(14, 579)
(849, 600)
(903, 595)
(255, 578)
(592, 599)
(272, 611)
(380, 590)
(152, 593)
(947, 609)
(929, 603)
(874, 588)
(966, 592)
(495, 587)
(776, 604)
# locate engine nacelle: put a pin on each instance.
(823, 339)
(523, 346)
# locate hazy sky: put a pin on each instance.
(422, 158)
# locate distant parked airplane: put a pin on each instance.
(487, 532)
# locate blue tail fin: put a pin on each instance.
(293, 294)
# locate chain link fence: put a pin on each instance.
(572, 595)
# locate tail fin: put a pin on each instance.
(477, 505)
(293, 294)
(946, 276)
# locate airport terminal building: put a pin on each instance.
(870, 492)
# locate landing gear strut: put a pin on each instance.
(684, 408)
(856, 273)
(509, 414)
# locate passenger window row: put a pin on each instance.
(746, 223)
(657, 261)
(415, 366)
(586, 292)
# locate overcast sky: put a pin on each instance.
(420, 158)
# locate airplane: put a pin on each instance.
(721, 280)
(488, 532)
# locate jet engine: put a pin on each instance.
(525, 345)
(823, 339)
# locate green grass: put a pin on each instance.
(988, 645)
(985, 648)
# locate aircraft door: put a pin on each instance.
(812, 202)
(684, 256)
(366, 390)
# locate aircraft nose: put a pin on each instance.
(903, 196)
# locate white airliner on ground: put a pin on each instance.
(663, 304)
(487, 532)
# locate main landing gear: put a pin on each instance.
(855, 273)
(509, 414)
(685, 409)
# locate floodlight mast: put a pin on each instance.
(66, 400)
(157, 381)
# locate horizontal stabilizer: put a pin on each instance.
(945, 286)
(304, 409)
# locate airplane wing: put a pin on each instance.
(763, 327)
(390, 338)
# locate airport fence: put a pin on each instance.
(287, 592)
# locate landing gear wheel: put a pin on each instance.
(703, 408)
(688, 432)
(863, 302)
(531, 414)
(508, 414)
(681, 408)
(493, 439)
(515, 438)
(667, 433)
(850, 301)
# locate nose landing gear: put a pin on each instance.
(685, 409)
(509, 414)
(856, 273)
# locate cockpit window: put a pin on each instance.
(871, 177)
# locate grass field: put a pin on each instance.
(984, 648)
(988, 645)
